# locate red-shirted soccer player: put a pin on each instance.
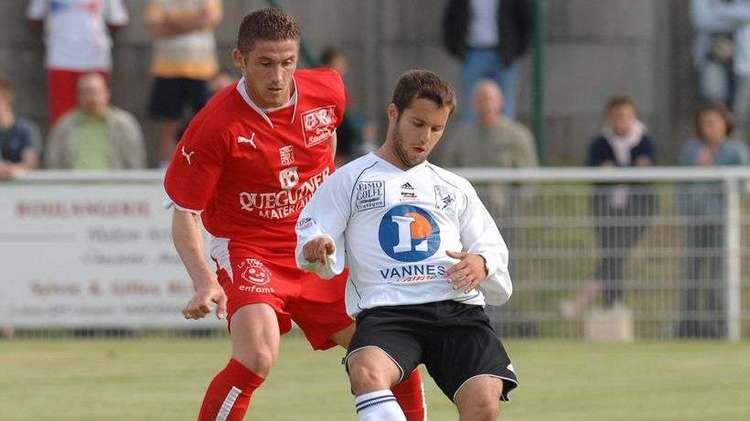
(246, 166)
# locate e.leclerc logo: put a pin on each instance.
(409, 234)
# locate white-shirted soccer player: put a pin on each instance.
(424, 257)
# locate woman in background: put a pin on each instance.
(702, 205)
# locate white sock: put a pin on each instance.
(380, 405)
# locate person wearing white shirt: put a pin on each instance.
(78, 42)
(424, 257)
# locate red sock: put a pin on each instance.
(410, 396)
(228, 395)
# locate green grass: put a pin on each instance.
(164, 379)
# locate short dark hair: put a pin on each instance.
(423, 84)
(620, 101)
(713, 107)
(270, 24)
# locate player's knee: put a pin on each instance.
(481, 408)
(259, 361)
(364, 378)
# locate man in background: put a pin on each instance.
(184, 59)
(95, 135)
(78, 42)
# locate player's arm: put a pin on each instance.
(334, 144)
(186, 235)
(484, 259)
(321, 226)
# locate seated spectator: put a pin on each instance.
(702, 203)
(494, 140)
(621, 211)
(20, 141)
(95, 135)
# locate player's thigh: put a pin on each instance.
(383, 330)
(254, 330)
(320, 311)
(468, 349)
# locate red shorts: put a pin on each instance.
(249, 277)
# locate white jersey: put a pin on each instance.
(76, 31)
(392, 228)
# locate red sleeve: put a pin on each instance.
(339, 90)
(196, 166)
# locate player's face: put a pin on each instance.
(268, 69)
(416, 131)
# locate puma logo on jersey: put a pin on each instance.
(251, 141)
(187, 155)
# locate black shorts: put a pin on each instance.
(170, 96)
(453, 340)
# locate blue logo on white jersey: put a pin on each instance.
(409, 234)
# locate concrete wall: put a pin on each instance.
(595, 48)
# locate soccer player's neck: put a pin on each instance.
(389, 154)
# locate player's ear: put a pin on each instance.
(392, 112)
(239, 59)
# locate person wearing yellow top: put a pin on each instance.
(184, 59)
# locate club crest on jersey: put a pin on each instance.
(318, 125)
(286, 153)
(409, 234)
(445, 198)
(370, 194)
(255, 272)
(288, 178)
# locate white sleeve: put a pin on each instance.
(479, 235)
(115, 13)
(37, 10)
(326, 214)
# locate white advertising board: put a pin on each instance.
(89, 254)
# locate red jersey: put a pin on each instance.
(251, 172)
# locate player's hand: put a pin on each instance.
(318, 249)
(468, 273)
(203, 300)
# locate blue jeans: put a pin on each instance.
(486, 63)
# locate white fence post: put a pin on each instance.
(732, 231)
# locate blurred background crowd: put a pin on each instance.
(112, 84)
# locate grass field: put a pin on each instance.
(164, 379)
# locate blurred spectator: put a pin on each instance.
(20, 141)
(77, 43)
(355, 130)
(702, 203)
(96, 135)
(184, 59)
(621, 212)
(494, 141)
(488, 36)
(715, 46)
